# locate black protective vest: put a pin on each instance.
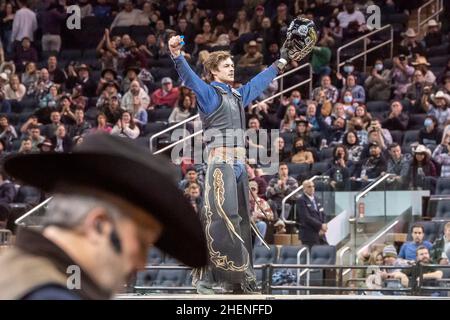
(229, 119)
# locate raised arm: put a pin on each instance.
(208, 99)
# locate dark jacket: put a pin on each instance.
(67, 143)
(8, 192)
(310, 220)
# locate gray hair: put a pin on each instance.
(70, 210)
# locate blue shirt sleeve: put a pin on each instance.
(257, 85)
(207, 96)
(402, 251)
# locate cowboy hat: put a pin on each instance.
(422, 149)
(109, 70)
(116, 166)
(432, 23)
(410, 33)
(421, 60)
(440, 95)
(135, 68)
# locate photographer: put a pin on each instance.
(396, 119)
(441, 155)
(417, 89)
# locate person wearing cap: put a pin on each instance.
(399, 165)
(421, 63)
(100, 224)
(390, 258)
(409, 46)
(83, 78)
(423, 170)
(440, 107)
(434, 37)
(56, 74)
(167, 95)
(253, 57)
(221, 108)
(46, 146)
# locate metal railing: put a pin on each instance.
(308, 260)
(366, 51)
(29, 213)
(281, 92)
(438, 9)
(298, 189)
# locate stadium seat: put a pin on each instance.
(443, 186)
(439, 61)
(397, 136)
(443, 209)
(161, 114)
(326, 154)
(377, 106)
(154, 127)
(296, 169)
(430, 230)
(437, 51)
(288, 138)
(155, 257)
(410, 136)
(321, 255)
(120, 31)
(263, 256)
(319, 168)
(170, 278)
(416, 121)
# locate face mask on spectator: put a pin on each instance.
(296, 100)
(428, 123)
(379, 67)
(348, 99)
(349, 69)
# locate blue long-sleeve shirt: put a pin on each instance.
(208, 99)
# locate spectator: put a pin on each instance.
(440, 108)
(440, 246)
(428, 273)
(321, 56)
(331, 92)
(35, 137)
(350, 15)
(83, 78)
(354, 148)
(261, 213)
(7, 131)
(422, 64)
(25, 146)
(40, 88)
(358, 92)
(396, 119)
(25, 53)
(6, 23)
(280, 148)
(30, 75)
(252, 58)
(303, 131)
(261, 182)
(55, 121)
(25, 23)
(50, 100)
(341, 168)
(410, 47)
(421, 167)
(167, 95)
(14, 90)
(107, 50)
(301, 154)
(135, 98)
(183, 110)
(125, 127)
(55, 73)
(348, 103)
(434, 35)
(390, 258)
(371, 168)
(61, 141)
(361, 113)
(311, 217)
(140, 115)
(31, 122)
(190, 177)
(401, 75)
(256, 21)
(288, 122)
(46, 146)
(430, 135)
(378, 84)
(242, 24)
(127, 17)
(81, 126)
(7, 189)
(112, 109)
(51, 21)
(357, 125)
(279, 187)
(102, 125)
(383, 136)
(398, 164)
(194, 196)
(441, 155)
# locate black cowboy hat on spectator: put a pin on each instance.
(305, 122)
(119, 167)
(109, 70)
(134, 68)
(82, 66)
(45, 143)
(111, 83)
